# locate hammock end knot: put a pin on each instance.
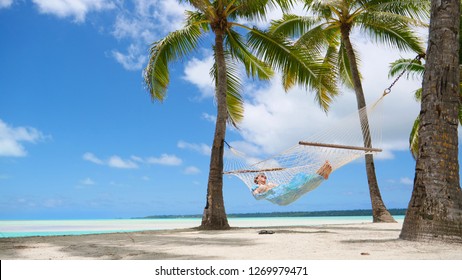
(386, 91)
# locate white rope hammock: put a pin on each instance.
(337, 144)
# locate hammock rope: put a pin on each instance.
(296, 170)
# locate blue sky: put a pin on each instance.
(80, 137)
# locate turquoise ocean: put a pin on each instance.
(25, 228)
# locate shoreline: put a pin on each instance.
(350, 241)
(80, 227)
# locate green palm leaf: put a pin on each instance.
(292, 25)
(254, 67)
(413, 69)
(204, 6)
(234, 100)
(252, 10)
(230, 48)
(385, 21)
(197, 18)
(305, 69)
(345, 75)
(414, 139)
(390, 32)
(415, 9)
(321, 8)
(320, 37)
(174, 46)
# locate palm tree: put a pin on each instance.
(259, 52)
(415, 69)
(435, 209)
(327, 29)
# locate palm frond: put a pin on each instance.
(418, 94)
(288, 80)
(320, 7)
(323, 97)
(285, 5)
(205, 6)
(414, 139)
(295, 63)
(198, 18)
(415, 9)
(413, 69)
(460, 115)
(174, 46)
(346, 77)
(390, 33)
(254, 67)
(319, 38)
(252, 10)
(234, 100)
(292, 25)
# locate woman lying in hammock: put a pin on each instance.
(287, 193)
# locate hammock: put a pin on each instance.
(296, 170)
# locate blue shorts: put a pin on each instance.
(285, 194)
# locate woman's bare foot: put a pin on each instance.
(325, 170)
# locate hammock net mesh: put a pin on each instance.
(338, 144)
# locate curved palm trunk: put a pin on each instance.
(435, 208)
(214, 216)
(379, 211)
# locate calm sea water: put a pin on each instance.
(78, 227)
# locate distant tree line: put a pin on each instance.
(330, 213)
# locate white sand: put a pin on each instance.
(359, 241)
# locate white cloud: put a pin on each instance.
(118, 162)
(26, 202)
(210, 118)
(6, 3)
(92, 158)
(191, 170)
(129, 27)
(140, 22)
(151, 20)
(275, 120)
(113, 161)
(135, 158)
(78, 9)
(197, 71)
(146, 22)
(11, 139)
(165, 159)
(202, 148)
(52, 203)
(406, 181)
(87, 182)
(133, 59)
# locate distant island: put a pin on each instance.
(330, 213)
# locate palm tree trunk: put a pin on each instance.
(435, 208)
(379, 211)
(214, 216)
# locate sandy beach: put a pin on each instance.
(358, 241)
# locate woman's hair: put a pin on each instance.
(256, 177)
